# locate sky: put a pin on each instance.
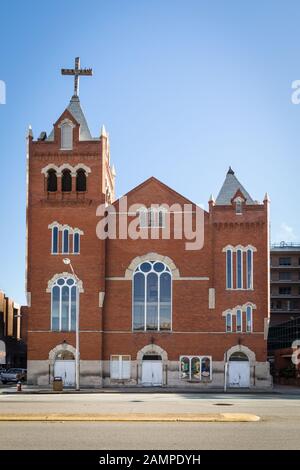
(185, 89)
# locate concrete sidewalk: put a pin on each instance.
(31, 389)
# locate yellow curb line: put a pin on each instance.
(187, 417)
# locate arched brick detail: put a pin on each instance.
(244, 349)
(64, 274)
(155, 350)
(59, 348)
(152, 257)
(152, 349)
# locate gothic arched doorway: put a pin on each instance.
(64, 367)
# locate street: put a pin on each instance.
(278, 429)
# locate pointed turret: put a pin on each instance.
(75, 110)
(230, 188)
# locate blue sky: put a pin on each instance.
(185, 89)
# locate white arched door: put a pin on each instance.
(239, 370)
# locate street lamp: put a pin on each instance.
(77, 353)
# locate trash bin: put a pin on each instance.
(57, 384)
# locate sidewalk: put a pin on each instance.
(31, 389)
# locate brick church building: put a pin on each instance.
(152, 312)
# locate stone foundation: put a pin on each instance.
(96, 374)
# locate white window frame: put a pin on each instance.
(239, 206)
(231, 269)
(247, 269)
(143, 217)
(251, 319)
(63, 241)
(228, 314)
(190, 368)
(52, 240)
(68, 126)
(153, 217)
(76, 232)
(121, 375)
(239, 250)
(55, 284)
(158, 296)
(236, 322)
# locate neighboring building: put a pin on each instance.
(151, 311)
(285, 282)
(12, 346)
(283, 343)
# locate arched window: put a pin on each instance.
(152, 293)
(55, 240)
(51, 181)
(228, 322)
(239, 269)
(80, 180)
(65, 241)
(229, 283)
(143, 216)
(66, 136)
(76, 242)
(239, 321)
(249, 322)
(66, 181)
(249, 269)
(162, 217)
(63, 304)
(238, 206)
(196, 368)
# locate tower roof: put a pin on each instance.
(230, 187)
(75, 109)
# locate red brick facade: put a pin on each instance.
(104, 268)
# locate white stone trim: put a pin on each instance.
(243, 308)
(64, 274)
(101, 299)
(152, 257)
(211, 298)
(155, 350)
(66, 121)
(62, 227)
(50, 166)
(192, 278)
(82, 166)
(152, 349)
(65, 166)
(240, 348)
(238, 247)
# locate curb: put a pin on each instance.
(136, 417)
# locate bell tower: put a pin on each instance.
(69, 174)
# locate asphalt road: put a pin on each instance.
(279, 427)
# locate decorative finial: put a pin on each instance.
(103, 131)
(230, 171)
(267, 198)
(77, 71)
(29, 132)
(212, 199)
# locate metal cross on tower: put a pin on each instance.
(77, 71)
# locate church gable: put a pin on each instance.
(153, 191)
